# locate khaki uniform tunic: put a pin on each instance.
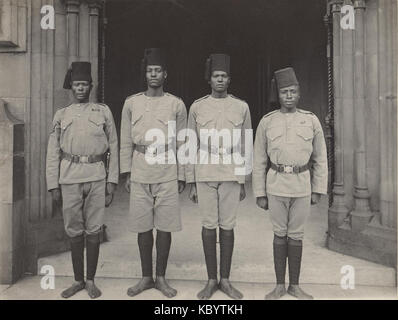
(82, 129)
(289, 139)
(228, 113)
(140, 114)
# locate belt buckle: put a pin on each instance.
(152, 151)
(75, 158)
(288, 169)
(222, 151)
(214, 149)
(83, 159)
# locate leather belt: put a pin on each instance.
(289, 169)
(82, 159)
(217, 150)
(151, 150)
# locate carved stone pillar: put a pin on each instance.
(94, 8)
(388, 112)
(72, 20)
(338, 211)
(12, 194)
(361, 214)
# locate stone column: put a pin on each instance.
(361, 214)
(388, 113)
(94, 7)
(12, 193)
(84, 32)
(72, 20)
(338, 211)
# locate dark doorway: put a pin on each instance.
(261, 36)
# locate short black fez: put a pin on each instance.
(79, 71)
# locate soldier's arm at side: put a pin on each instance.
(260, 160)
(110, 130)
(180, 127)
(54, 154)
(319, 158)
(190, 167)
(126, 143)
(246, 150)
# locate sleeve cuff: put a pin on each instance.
(258, 194)
(52, 186)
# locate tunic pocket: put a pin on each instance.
(274, 133)
(164, 117)
(235, 119)
(97, 124)
(135, 118)
(65, 123)
(204, 122)
(305, 133)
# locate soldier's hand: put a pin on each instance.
(193, 194)
(242, 194)
(110, 188)
(181, 186)
(56, 195)
(262, 202)
(315, 197)
(127, 183)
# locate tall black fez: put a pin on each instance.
(154, 56)
(79, 71)
(217, 62)
(282, 78)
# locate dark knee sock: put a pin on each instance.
(163, 243)
(280, 255)
(295, 250)
(209, 239)
(145, 244)
(77, 252)
(92, 253)
(226, 249)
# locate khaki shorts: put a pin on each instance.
(155, 206)
(83, 207)
(218, 203)
(288, 215)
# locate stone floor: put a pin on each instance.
(252, 260)
(115, 289)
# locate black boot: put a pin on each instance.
(227, 239)
(145, 245)
(92, 248)
(295, 250)
(163, 243)
(209, 239)
(77, 253)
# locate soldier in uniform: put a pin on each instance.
(290, 141)
(82, 139)
(153, 187)
(216, 187)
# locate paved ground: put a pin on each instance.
(252, 260)
(29, 289)
(119, 265)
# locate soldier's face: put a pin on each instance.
(81, 90)
(219, 81)
(289, 96)
(155, 76)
